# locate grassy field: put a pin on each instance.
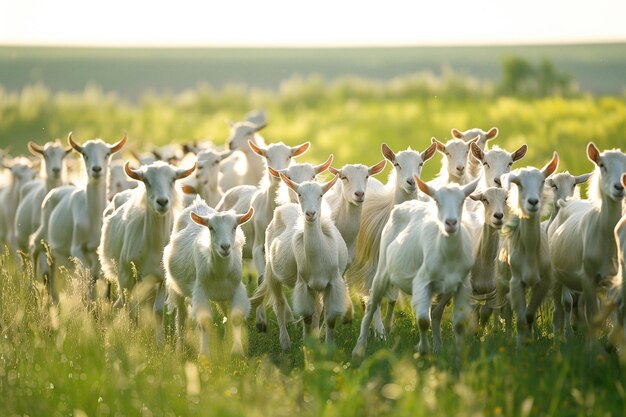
(598, 68)
(79, 359)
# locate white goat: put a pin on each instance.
(205, 183)
(425, 250)
(485, 249)
(582, 239)
(495, 163)
(28, 215)
(21, 171)
(523, 259)
(483, 137)
(71, 216)
(134, 235)
(400, 187)
(305, 252)
(346, 200)
(456, 156)
(562, 186)
(118, 180)
(202, 264)
(243, 167)
(263, 200)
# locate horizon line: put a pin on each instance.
(553, 42)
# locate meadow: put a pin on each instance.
(84, 359)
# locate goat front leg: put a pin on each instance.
(239, 310)
(334, 305)
(436, 313)
(379, 288)
(421, 297)
(462, 311)
(158, 308)
(201, 312)
(518, 304)
(304, 305)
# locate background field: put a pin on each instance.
(598, 68)
(81, 359)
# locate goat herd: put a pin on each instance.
(183, 226)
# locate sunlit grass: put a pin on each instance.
(89, 359)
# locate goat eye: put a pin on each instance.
(421, 165)
(397, 165)
(555, 187)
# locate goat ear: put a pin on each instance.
(119, 145)
(259, 127)
(375, 169)
(624, 180)
(593, 153)
(323, 167)
(334, 171)
(291, 184)
(387, 152)
(509, 178)
(519, 153)
(440, 146)
(425, 188)
(456, 133)
(35, 149)
(475, 140)
(471, 187)
(225, 155)
(133, 173)
(202, 221)
(492, 133)
(188, 189)
(257, 149)
(73, 144)
(476, 196)
(579, 179)
(273, 172)
(551, 166)
(242, 218)
(429, 152)
(476, 151)
(184, 173)
(327, 186)
(300, 149)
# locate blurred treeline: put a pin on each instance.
(350, 117)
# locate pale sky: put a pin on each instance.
(308, 23)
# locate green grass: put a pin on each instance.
(598, 68)
(93, 361)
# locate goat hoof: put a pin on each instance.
(261, 327)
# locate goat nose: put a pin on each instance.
(162, 201)
(451, 222)
(460, 168)
(225, 246)
(533, 201)
(498, 182)
(56, 170)
(411, 182)
(498, 216)
(96, 168)
(359, 194)
(310, 213)
(619, 187)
